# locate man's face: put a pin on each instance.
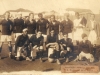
(31, 16)
(52, 32)
(52, 18)
(85, 38)
(19, 16)
(7, 15)
(74, 43)
(25, 32)
(40, 16)
(65, 36)
(92, 17)
(39, 34)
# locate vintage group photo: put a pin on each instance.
(42, 35)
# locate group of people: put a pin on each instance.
(59, 39)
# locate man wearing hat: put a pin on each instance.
(85, 48)
(7, 28)
(21, 45)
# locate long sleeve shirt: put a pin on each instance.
(52, 39)
(18, 25)
(36, 41)
(66, 26)
(86, 46)
(31, 26)
(55, 25)
(42, 25)
(7, 27)
(22, 41)
(67, 42)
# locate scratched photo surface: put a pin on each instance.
(40, 37)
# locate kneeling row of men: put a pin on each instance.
(55, 47)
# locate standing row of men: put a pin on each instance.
(37, 37)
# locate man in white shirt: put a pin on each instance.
(92, 29)
(78, 27)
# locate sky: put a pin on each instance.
(48, 5)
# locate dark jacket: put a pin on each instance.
(31, 26)
(55, 26)
(83, 21)
(36, 41)
(42, 25)
(52, 39)
(68, 43)
(22, 41)
(7, 27)
(86, 47)
(66, 26)
(18, 25)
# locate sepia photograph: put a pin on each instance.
(49, 37)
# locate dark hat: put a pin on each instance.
(84, 35)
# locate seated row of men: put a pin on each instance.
(56, 48)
